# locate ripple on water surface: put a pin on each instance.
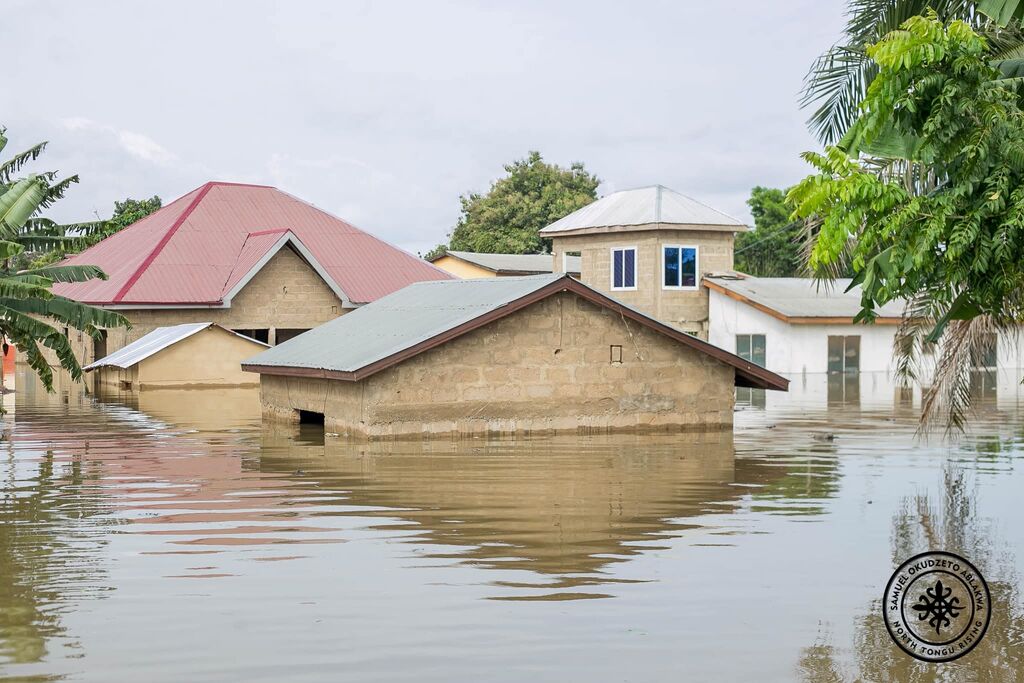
(172, 536)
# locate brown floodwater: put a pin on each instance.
(172, 537)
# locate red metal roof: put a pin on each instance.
(195, 249)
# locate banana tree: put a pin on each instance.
(28, 307)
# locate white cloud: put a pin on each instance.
(145, 148)
(385, 123)
(137, 144)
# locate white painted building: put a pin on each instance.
(801, 327)
(805, 332)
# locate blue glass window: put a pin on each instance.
(680, 267)
(624, 268)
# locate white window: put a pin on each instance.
(679, 267)
(624, 268)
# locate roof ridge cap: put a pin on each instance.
(203, 191)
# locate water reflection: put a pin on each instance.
(562, 509)
(626, 557)
(951, 523)
(48, 553)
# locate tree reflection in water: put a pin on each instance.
(49, 551)
(921, 524)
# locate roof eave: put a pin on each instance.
(641, 227)
(747, 373)
(794, 319)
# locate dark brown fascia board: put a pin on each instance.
(793, 320)
(747, 374)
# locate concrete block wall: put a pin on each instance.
(685, 310)
(286, 293)
(547, 368)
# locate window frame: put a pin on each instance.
(696, 268)
(611, 268)
(750, 347)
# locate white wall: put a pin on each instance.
(800, 353)
(791, 350)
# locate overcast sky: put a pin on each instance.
(384, 113)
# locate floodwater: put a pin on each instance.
(174, 538)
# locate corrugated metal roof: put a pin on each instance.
(422, 315)
(515, 263)
(153, 343)
(796, 297)
(189, 251)
(657, 205)
(398, 321)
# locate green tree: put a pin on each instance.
(947, 234)
(27, 306)
(509, 217)
(84, 235)
(773, 247)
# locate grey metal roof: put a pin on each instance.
(397, 321)
(796, 297)
(153, 343)
(646, 205)
(515, 263)
(427, 314)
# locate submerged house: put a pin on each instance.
(180, 356)
(796, 325)
(502, 355)
(649, 248)
(468, 264)
(250, 258)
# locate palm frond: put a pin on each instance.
(67, 273)
(19, 203)
(11, 288)
(15, 163)
(36, 243)
(838, 80)
(57, 190)
(1002, 11)
(25, 326)
(72, 313)
(29, 349)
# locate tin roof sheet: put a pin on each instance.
(420, 316)
(189, 251)
(655, 205)
(796, 297)
(153, 343)
(515, 263)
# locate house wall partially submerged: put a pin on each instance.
(286, 294)
(686, 310)
(211, 357)
(548, 367)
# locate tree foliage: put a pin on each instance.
(949, 238)
(28, 307)
(81, 236)
(531, 196)
(773, 247)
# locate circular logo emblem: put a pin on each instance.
(937, 606)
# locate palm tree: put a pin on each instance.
(27, 304)
(835, 86)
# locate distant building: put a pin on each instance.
(502, 355)
(250, 258)
(649, 248)
(187, 355)
(468, 264)
(796, 326)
